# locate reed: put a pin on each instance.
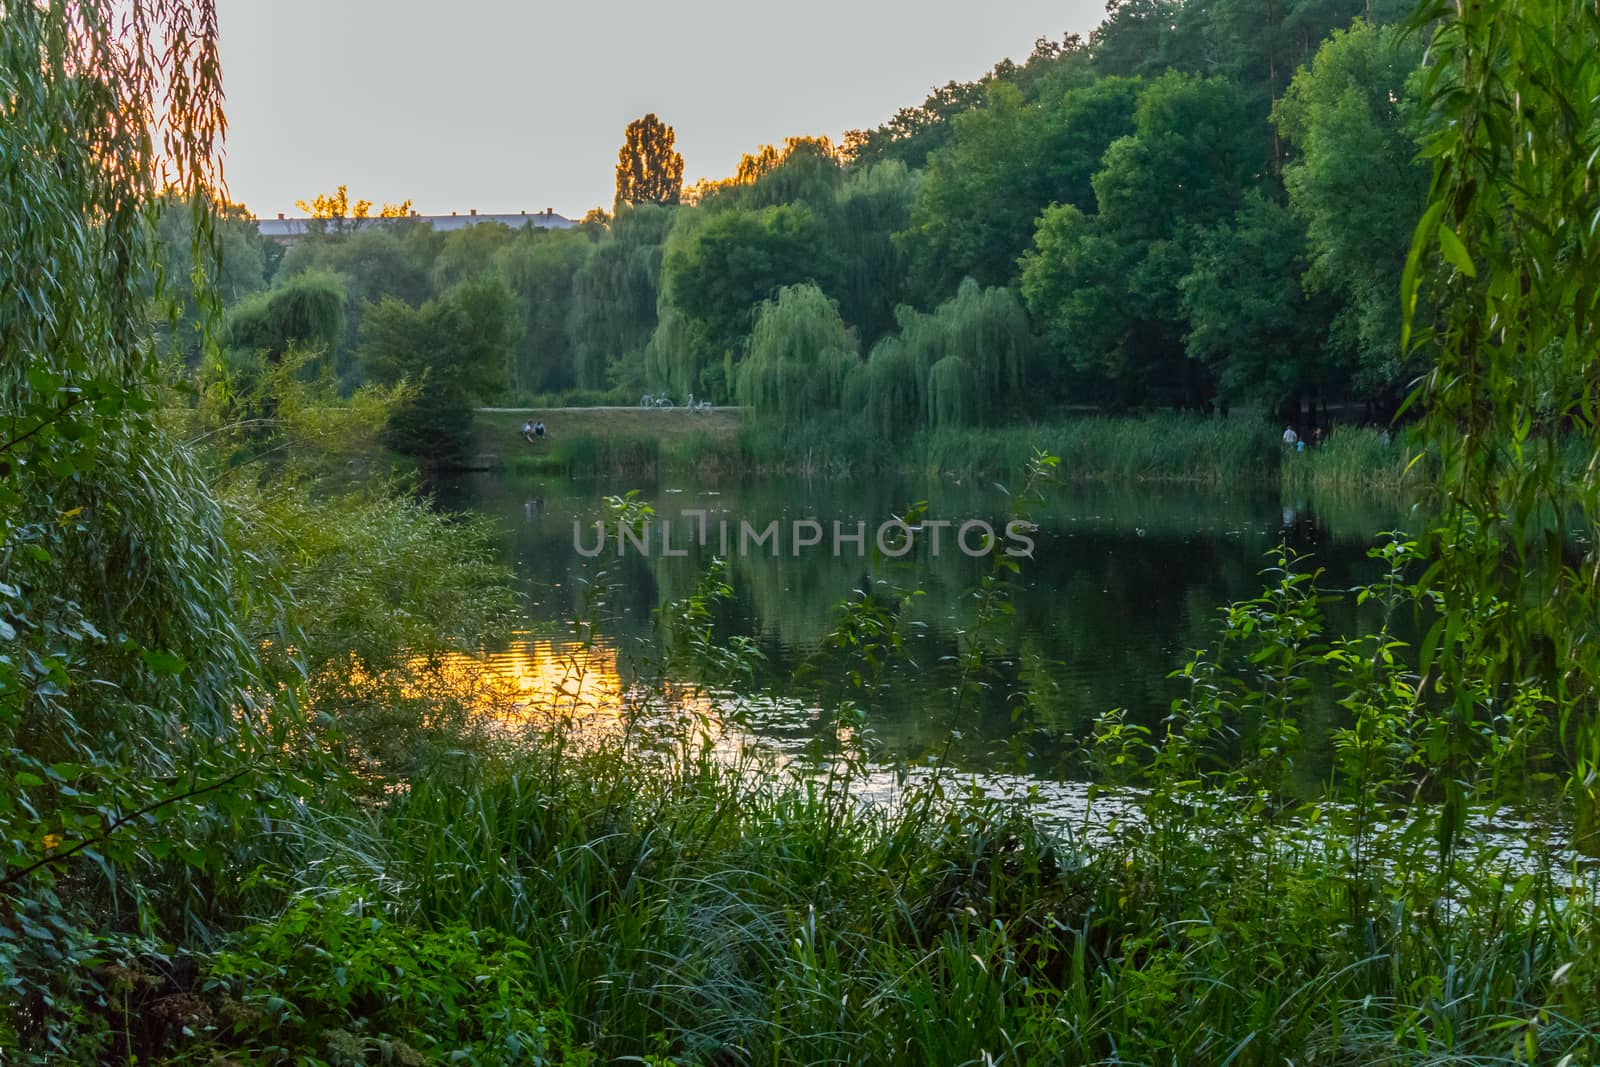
(1128, 449)
(1357, 459)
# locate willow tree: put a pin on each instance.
(952, 393)
(614, 296)
(306, 310)
(291, 329)
(678, 357)
(801, 352)
(988, 331)
(964, 362)
(125, 684)
(1502, 286)
(395, 260)
(888, 392)
(649, 171)
(870, 207)
(718, 266)
(542, 267)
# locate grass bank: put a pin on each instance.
(612, 440)
(1151, 448)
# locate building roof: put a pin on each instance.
(282, 227)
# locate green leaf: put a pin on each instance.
(1408, 277)
(162, 662)
(1456, 252)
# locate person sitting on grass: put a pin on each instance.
(538, 430)
(527, 432)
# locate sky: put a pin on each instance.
(505, 106)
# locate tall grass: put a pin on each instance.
(704, 912)
(1178, 448)
(1169, 448)
(581, 453)
(643, 457)
(1357, 459)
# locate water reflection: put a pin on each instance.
(1122, 586)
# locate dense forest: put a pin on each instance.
(1204, 205)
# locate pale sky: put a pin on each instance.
(502, 105)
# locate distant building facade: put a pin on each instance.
(288, 231)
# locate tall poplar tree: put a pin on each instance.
(649, 171)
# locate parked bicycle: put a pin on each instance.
(655, 400)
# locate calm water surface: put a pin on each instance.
(1124, 583)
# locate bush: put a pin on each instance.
(331, 981)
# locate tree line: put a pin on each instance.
(1205, 204)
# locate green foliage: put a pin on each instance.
(1172, 448)
(1100, 176)
(680, 358)
(305, 311)
(614, 295)
(1353, 115)
(1249, 320)
(806, 170)
(125, 686)
(1160, 124)
(1501, 286)
(715, 272)
(913, 133)
(952, 393)
(1008, 159)
(889, 388)
(871, 206)
(242, 263)
(963, 363)
(1140, 37)
(1187, 161)
(1108, 285)
(453, 348)
(331, 974)
(542, 273)
(1354, 460)
(470, 253)
(800, 354)
(394, 259)
(214, 708)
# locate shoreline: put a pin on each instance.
(1140, 449)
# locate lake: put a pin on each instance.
(1122, 584)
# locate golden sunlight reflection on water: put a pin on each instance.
(546, 684)
(578, 689)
